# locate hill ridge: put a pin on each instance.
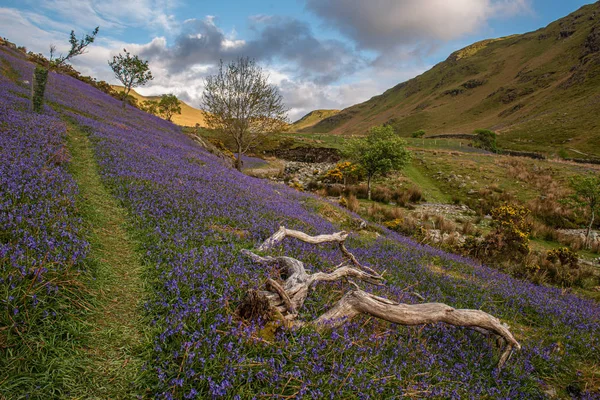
(536, 89)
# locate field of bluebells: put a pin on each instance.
(41, 241)
(193, 215)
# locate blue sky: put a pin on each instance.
(321, 53)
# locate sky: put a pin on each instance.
(320, 53)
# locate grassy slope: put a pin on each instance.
(305, 123)
(419, 339)
(189, 115)
(535, 89)
(93, 348)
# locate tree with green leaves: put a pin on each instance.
(380, 152)
(150, 106)
(40, 74)
(486, 140)
(131, 71)
(586, 196)
(240, 102)
(168, 106)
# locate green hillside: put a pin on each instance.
(537, 90)
(306, 123)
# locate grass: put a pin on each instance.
(111, 354)
(94, 348)
(431, 191)
(312, 118)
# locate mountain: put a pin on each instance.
(311, 119)
(537, 90)
(189, 115)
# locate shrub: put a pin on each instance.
(418, 134)
(343, 172)
(468, 228)
(352, 203)
(486, 140)
(444, 225)
(565, 256)
(509, 241)
(40, 77)
(382, 194)
(414, 194)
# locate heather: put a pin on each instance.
(192, 215)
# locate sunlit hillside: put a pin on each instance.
(189, 116)
(537, 90)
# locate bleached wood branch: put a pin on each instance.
(289, 297)
(282, 233)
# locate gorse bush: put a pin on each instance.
(509, 241)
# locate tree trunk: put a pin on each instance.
(589, 230)
(238, 160)
(282, 301)
(125, 94)
(369, 187)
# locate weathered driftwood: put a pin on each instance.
(288, 298)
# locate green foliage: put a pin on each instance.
(342, 172)
(418, 134)
(586, 196)
(486, 140)
(150, 106)
(168, 106)
(379, 153)
(77, 48)
(564, 255)
(131, 71)
(509, 241)
(40, 74)
(562, 153)
(40, 78)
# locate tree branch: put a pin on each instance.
(282, 233)
(290, 297)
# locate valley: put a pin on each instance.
(440, 240)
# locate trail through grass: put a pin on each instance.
(112, 354)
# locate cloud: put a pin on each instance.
(113, 14)
(384, 25)
(303, 97)
(278, 40)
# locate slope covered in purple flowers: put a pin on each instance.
(193, 215)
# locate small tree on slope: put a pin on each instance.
(378, 153)
(240, 102)
(40, 74)
(587, 196)
(168, 106)
(130, 71)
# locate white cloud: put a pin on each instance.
(387, 24)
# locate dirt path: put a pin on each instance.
(113, 351)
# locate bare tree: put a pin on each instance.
(240, 102)
(282, 301)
